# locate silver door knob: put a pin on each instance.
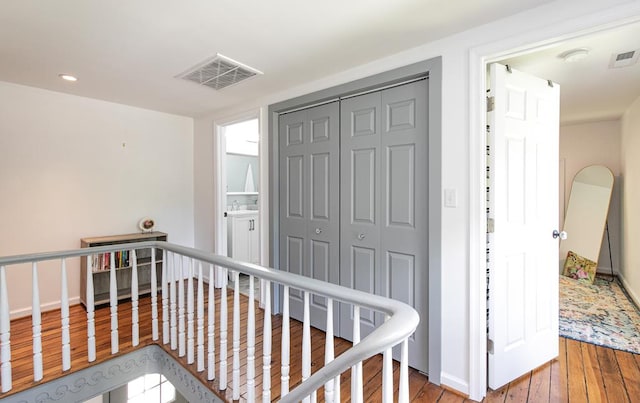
(361, 236)
(318, 231)
(559, 234)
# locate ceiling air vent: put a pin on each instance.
(219, 72)
(624, 59)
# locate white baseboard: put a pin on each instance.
(629, 291)
(22, 312)
(454, 383)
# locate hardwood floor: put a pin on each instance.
(582, 372)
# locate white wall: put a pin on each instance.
(630, 271)
(590, 143)
(553, 19)
(203, 184)
(72, 167)
(593, 143)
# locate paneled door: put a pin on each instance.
(523, 293)
(384, 215)
(309, 202)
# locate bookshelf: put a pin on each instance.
(101, 271)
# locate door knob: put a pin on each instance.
(318, 230)
(561, 234)
(361, 236)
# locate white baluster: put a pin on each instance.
(64, 314)
(91, 315)
(251, 345)
(306, 343)
(329, 351)
(181, 319)
(5, 334)
(266, 345)
(190, 314)
(211, 320)
(387, 373)
(173, 306)
(236, 336)
(223, 334)
(135, 329)
(36, 323)
(113, 302)
(154, 296)
(200, 320)
(387, 376)
(403, 393)
(285, 349)
(356, 371)
(165, 299)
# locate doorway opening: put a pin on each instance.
(238, 191)
(482, 56)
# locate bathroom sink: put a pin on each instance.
(241, 212)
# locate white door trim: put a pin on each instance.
(479, 57)
(219, 192)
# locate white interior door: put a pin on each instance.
(523, 203)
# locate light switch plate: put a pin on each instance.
(450, 198)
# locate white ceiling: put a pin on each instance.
(589, 89)
(130, 51)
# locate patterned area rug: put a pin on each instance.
(600, 314)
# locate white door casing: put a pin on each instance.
(523, 203)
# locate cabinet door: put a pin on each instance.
(254, 241)
(241, 239)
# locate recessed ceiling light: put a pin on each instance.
(574, 55)
(68, 77)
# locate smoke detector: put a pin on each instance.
(219, 72)
(624, 59)
(574, 55)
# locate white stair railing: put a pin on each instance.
(113, 302)
(222, 379)
(182, 337)
(200, 320)
(91, 316)
(166, 335)
(285, 352)
(251, 344)
(154, 296)
(235, 378)
(401, 321)
(266, 346)
(211, 328)
(36, 320)
(64, 317)
(190, 315)
(5, 334)
(135, 326)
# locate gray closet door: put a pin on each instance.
(384, 214)
(309, 202)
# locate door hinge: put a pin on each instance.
(490, 103)
(491, 226)
(489, 346)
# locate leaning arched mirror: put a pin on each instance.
(585, 221)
